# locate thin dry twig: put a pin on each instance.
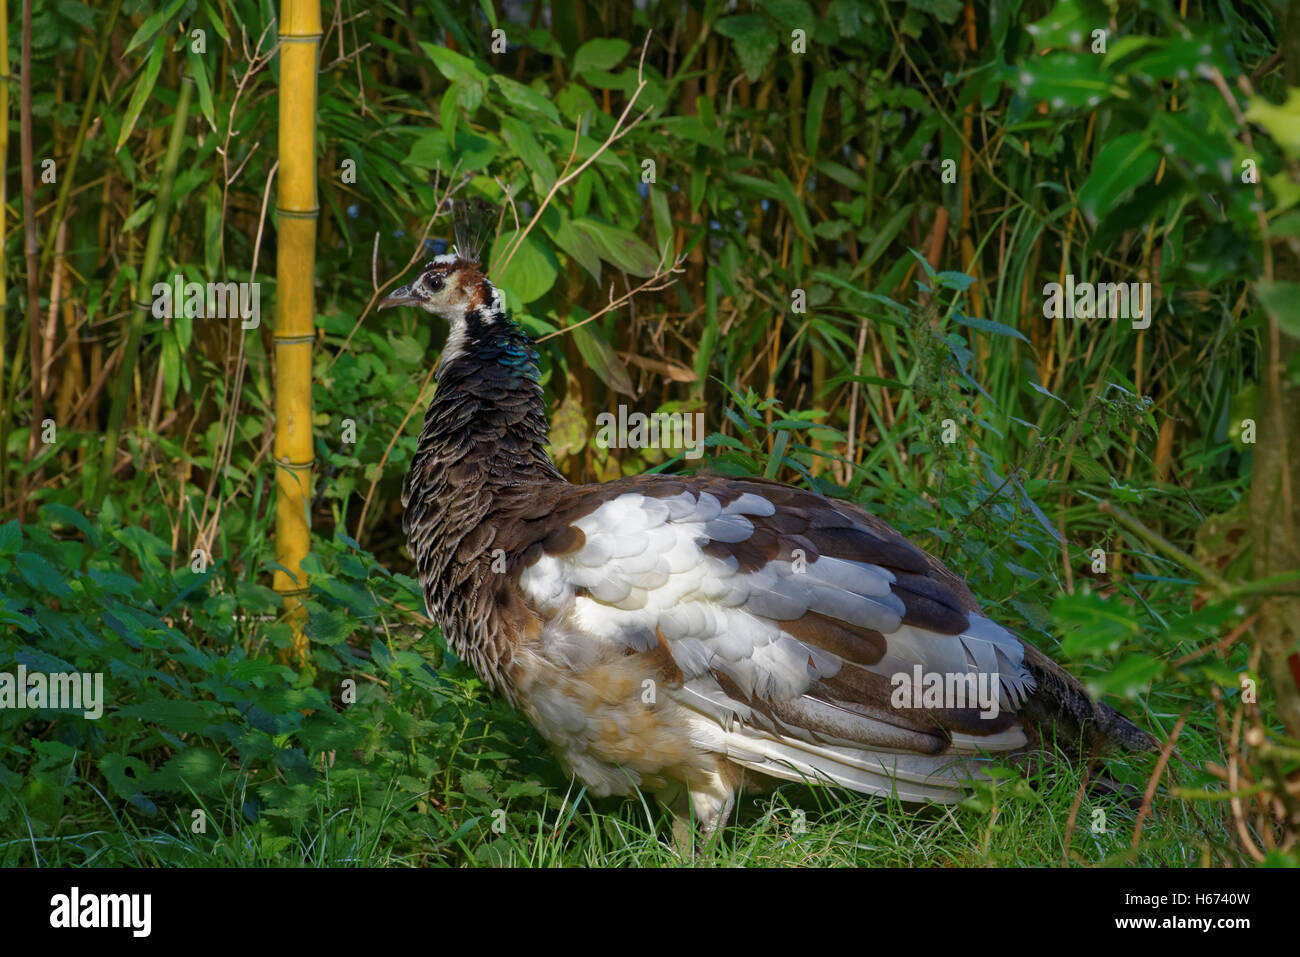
(1150, 793)
(660, 280)
(567, 177)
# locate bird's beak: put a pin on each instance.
(398, 297)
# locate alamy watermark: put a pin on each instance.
(74, 909)
(212, 300)
(1102, 300)
(60, 691)
(948, 690)
(658, 430)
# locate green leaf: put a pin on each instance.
(601, 358)
(199, 71)
(1281, 300)
(140, 216)
(945, 11)
(1067, 25)
(330, 627)
(782, 190)
(812, 129)
(1132, 675)
(600, 54)
(456, 67)
(1091, 625)
(38, 572)
(989, 326)
(171, 365)
(143, 87)
(449, 112)
(197, 768)
(125, 775)
(520, 139)
(1062, 80)
(183, 716)
(532, 269)
(1282, 122)
(11, 538)
(619, 247)
(754, 41)
(516, 94)
(152, 25)
(1191, 147)
(1122, 165)
(577, 244)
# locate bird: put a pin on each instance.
(690, 636)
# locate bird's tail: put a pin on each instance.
(1061, 711)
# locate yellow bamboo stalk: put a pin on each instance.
(295, 310)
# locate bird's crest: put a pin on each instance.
(473, 221)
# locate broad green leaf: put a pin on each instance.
(599, 54)
(1282, 122)
(945, 11)
(125, 775)
(601, 358)
(526, 97)
(1062, 80)
(183, 716)
(1190, 146)
(532, 268)
(1122, 165)
(520, 139)
(753, 40)
(11, 538)
(1281, 300)
(579, 245)
(619, 247)
(1066, 25)
(456, 67)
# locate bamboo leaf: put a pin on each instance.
(155, 22)
(600, 356)
(143, 87)
(199, 72)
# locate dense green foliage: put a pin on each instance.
(915, 176)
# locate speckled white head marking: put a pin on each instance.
(455, 289)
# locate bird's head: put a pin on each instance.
(452, 287)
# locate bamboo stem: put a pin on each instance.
(295, 312)
(141, 307)
(4, 199)
(68, 174)
(29, 243)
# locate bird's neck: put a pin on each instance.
(486, 427)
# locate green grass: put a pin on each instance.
(1018, 822)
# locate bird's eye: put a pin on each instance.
(435, 284)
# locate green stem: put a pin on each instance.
(1163, 544)
(149, 269)
(69, 174)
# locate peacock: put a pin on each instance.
(687, 635)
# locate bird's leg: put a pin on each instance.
(678, 801)
(709, 807)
